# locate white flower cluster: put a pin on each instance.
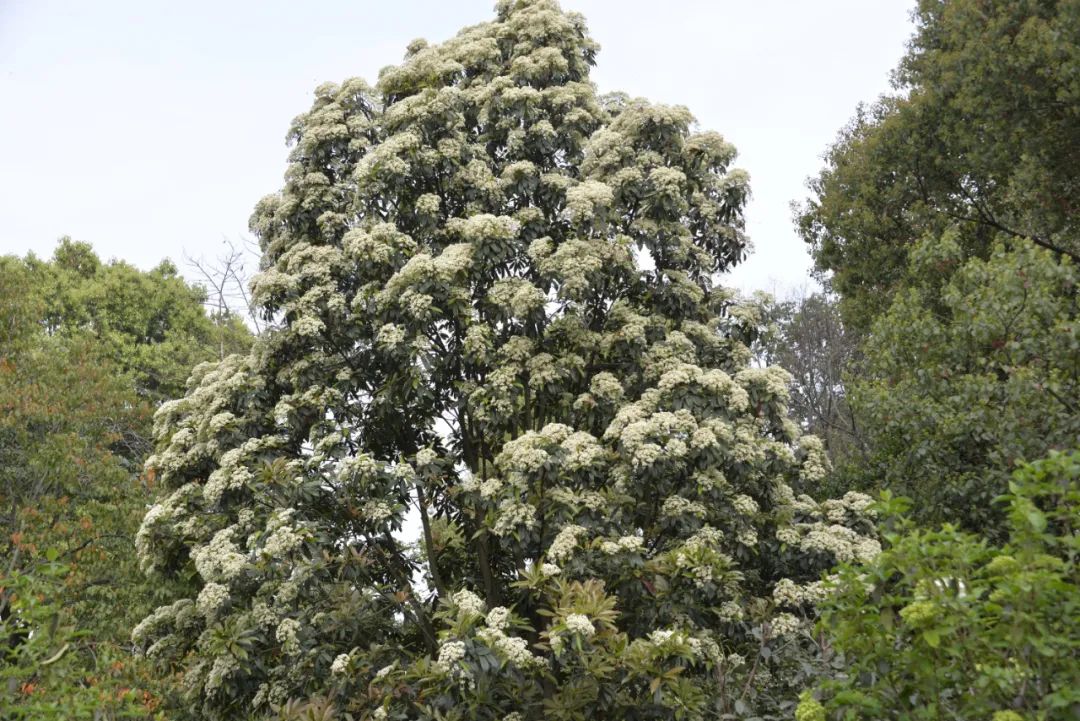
(483, 227)
(307, 326)
(390, 336)
(816, 464)
(747, 537)
(705, 648)
(178, 615)
(664, 642)
(477, 343)
(606, 387)
(283, 538)
(528, 453)
(220, 670)
(564, 544)
(782, 494)
(857, 502)
(263, 614)
(744, 505)
(225, 478)
(788, 535)
(186, 422)
(220, 559)
(774, 381)
(498, 618)
(271, 694)
(158, 517)
(426, 457)
(700, 556)
(583, 201)
(834, 510)
(676, 506)
(842, 542)
(468, 603)
(489, 487)
(286, 635)
(516, 295)
(579, 623)
(549, 569)
(630, 544)
(212, 597)
(340, 664)
(428, 204)
(357, 468)
(582, 451)
(661, 636)
(450, 652)
(787, 593)
(785, 624)
(576, 262)
(748, 447)
(377, 245)
(376, 511)
(651, 437)
(512, 648)
(853, 502)
(513, 515)
(730, 611)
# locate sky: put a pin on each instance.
(151, 128)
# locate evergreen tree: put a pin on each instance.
(149, 324)
(946, 220)
(982, 133)
(502, 456)
(970, 373)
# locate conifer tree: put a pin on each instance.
(502, 455)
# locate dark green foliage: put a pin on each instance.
(149, 323)
(984, 132)
(944, 625)
(961, 382)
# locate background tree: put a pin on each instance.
(983, 134)
(226, 279)
(599, 484)
(78, 365)
(150, 324)
(926, 219)
(960, 384)
(805, 335)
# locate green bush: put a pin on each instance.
(944, 625)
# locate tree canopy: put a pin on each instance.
(151, 324)
(85, 348)
(960, 384)
(502, 455)
(982, 133)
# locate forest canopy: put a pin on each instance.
(503, 447)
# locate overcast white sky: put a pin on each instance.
(151, 128)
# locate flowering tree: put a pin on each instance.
(502, 454)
